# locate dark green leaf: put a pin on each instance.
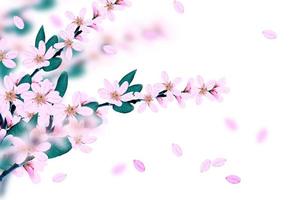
(25, 79)
(45, 4)
(62, 84)
(5, 162)
(135, 88)
(59, 147)
(128, 77)
(19, 129)
(77, 70)
(51, 42)
(40, 36)
(54, 64)
(125, 108)
(4, 70)
(93, 105)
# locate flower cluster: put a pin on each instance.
(36, 124)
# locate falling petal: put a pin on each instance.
(262, 136)
(139, 165)
(231, 124)
(218, 162)
(178, 6)
(177, 150)
(205, 165)
(118, 169)
(59, 177)
(109, 49)
(233, 179)
(18, 21)
(269, 34)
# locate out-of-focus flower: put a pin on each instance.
(79, 21)
(6, 57)
(111, 5)
(32, 168)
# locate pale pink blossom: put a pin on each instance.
(32, 168)
(69, 43)
(114, 93)
(6, 56)
(139, 165)
(233, 179)
(19, 22)
(112, 5)
(148, 99)
(79, 21)
(80, 137)
(9, 94)
(38, 57)
(202, 89)
(102, 113)
(35, 146)
(170, 86)
(218, 88)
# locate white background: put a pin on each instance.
(216, 39)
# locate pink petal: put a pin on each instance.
(218, 162)
(9, 63)
(18, 21)
(269, 34)
(231, 124)
(177, 150)
(262, 136)
(178, 6)
(118, 169)
(59, 177)
(109, 49)
(69, 53)
(85, 148)
(205, 166)
(233, 179)
(139, 165)
(42, 48)
(85, 111)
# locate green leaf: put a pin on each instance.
(19, 129)
(5, 162)
(62, 84)
(128, 77)
(25, 79)
(59, 147)
(51, 42)
(54, 64)
(135, 88)
(77, 70)
(124, 108)
(4, 70)
(40, 36)
(45, 4)
(93, 105)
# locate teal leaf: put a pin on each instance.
(45, 4)
(62, 84)
(93, 105)
(40, 36)
(135, 88)
(128, 77)
(51, 42)
(54, 64)
(124, 108)
(4, 70)
(5, 162)
(59, 147)
(77, 70)
(25, 79)
(19, 129)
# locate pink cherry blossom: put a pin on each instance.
(38, 57)
(177, 150)
(233, 179)
(170, 86)
(59, 177)
(6, 57)
(178, 6)
(102, 113)
(201, 89)
(205, 166)
(218, 88)
(111, 5)
(18, 21)
(149, 98)
(35, 146)
(218, 162)
(69, 43)
(80, 137)
(79, 21)
(139, 165)
(114, 93)
(32, 168)
(10, 93)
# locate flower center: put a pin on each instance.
(40, 99)
(109, 6)
(68, 43)
(169, 86)
(203, 91)
(148, 99)
(10, 96)
(78, 21)
(2, 55)
(39, 59)
(115, 96)
(70, 110)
